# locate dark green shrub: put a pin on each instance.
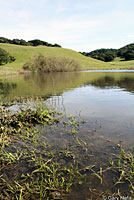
(129, 55)
(5, 57)
(12, 58)
(26, 66)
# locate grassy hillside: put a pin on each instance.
(24, 53)
(121, 64)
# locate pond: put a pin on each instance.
(104, 99)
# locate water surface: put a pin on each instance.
(104, 98)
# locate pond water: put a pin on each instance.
(105, 99)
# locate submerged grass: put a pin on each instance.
(32, 168)
(45, 177)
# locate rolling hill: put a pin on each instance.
(125, 53)
(24, 53)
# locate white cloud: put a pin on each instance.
(131, 36)
(82, 25)
(75, 25)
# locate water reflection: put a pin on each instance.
(49, 84)
(6, 87)
(102, 98)
(127, 82)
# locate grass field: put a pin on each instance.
(24, 53)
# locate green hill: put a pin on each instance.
(24, 53)
(125, 53)
(127, 47)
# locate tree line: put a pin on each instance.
(107, 55)
(35, 42)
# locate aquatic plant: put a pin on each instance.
(33, 167)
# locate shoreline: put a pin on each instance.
(8, 73)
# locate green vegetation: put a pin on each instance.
(35, 42)
(45, 177)
(51, 64)
(24, 54)
(105, 55)
(5, 57)
(24, 152)
(33, 166)
(125, 53)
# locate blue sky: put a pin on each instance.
(81, 25)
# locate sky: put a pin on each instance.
(81, 25)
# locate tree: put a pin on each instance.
(129, 55)
(56, 45)
(105, 55)
(35, 42)
(108, 57)
(5, 57)
(126, 52)
(4, 40)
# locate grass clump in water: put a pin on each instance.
(42, 63)
(28, 169)
(38, 163)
